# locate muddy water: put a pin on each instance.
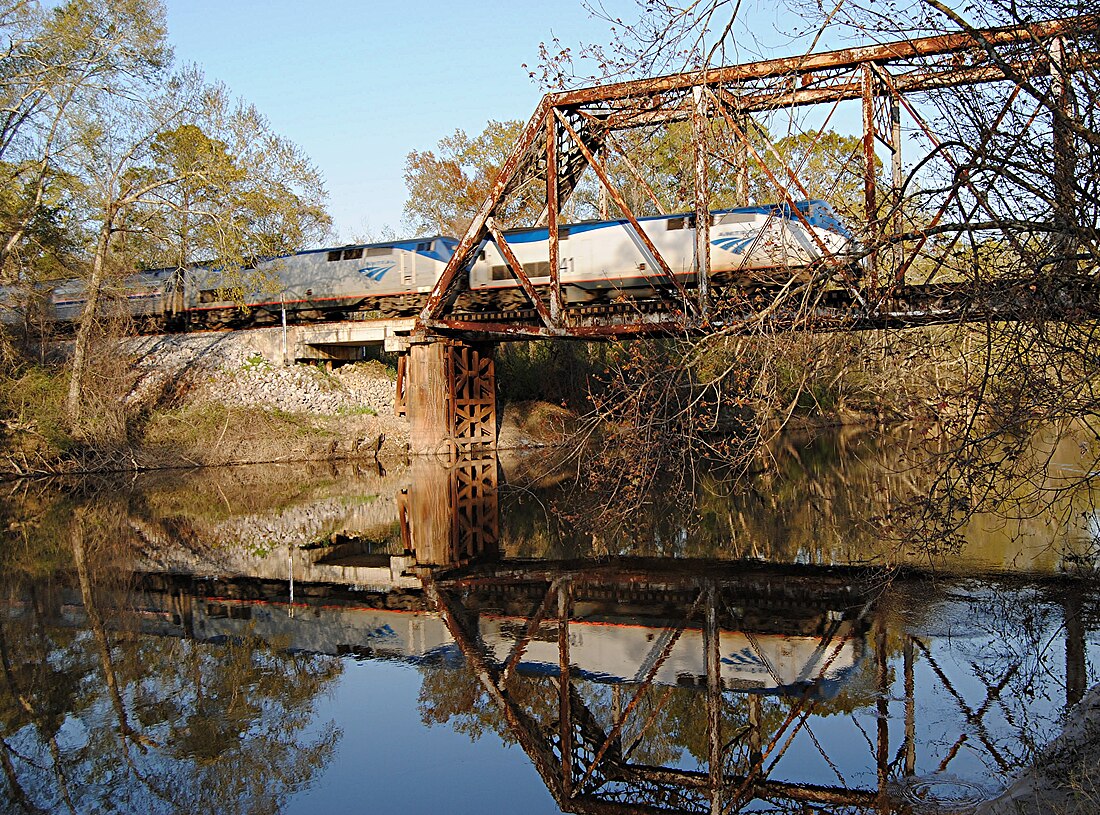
(476, 638)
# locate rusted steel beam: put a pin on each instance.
(522, 726)
(533, 624)
(633, 170)
(1065, 158)
(870, 202)
(519, 273)
(966, 180)
(882, 705)
(843, 58)
(762, 100)
(552, 202)
(646, 683)
(923, 235)
(897, 175)
(529, 331)
(476, 232)
(620, 202)
(712, 660)
(565, 687)
(784, 193)
(910, 744)
(702, 200)
(808, 793)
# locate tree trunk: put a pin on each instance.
(73, 402)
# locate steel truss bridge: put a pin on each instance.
(896, 281)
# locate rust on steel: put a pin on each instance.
(870, 202)
(702, 201)
(578, 741)
(552, 202)
(571, 130)
(518, 271)
(840, 59)
(520, 723)
(474, 234)
(621, 203)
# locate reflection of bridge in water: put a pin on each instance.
(660, 685)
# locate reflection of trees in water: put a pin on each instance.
(818, 502)
(836, 498)
(96, 716)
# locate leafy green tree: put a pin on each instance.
(828, 164)
(240, 192)
(172, 163)
(51, 63)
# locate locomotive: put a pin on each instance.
(599, 260)
(393, 278)
(604, 259)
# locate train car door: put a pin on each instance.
(408, 259)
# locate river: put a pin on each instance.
(493, 635)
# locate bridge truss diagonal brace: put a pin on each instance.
(445, 289)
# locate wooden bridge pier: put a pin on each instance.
(447, 388)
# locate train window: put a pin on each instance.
(540, 269)
(379, 251)
(423, 246)
(563, 233)
(208, 296)
(501, 272)
(676, 223)
(733, 218)
(353, 254)
(334, 255)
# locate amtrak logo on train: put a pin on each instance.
(382, 632)
(736, 244)
(744, 659)
(376, 271)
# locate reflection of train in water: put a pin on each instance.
(599, 260)
(600, 649)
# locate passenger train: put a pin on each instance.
(599, 261)
(606, 650)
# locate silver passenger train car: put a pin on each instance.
(393, 278)
(603, 259)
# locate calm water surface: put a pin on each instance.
(294, 639)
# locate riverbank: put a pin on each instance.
(211, 399)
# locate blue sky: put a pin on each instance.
(357, 85)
